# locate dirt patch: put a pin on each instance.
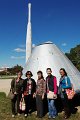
(5, 85)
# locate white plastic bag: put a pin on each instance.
(22, 105)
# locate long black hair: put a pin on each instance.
(64, 71)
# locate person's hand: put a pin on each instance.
(22, 95)
(55, 96)
(15, 93)
(42, 96)
(63, 90)
(34, 95)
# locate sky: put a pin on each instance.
(52, 20)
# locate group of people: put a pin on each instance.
(33, 91)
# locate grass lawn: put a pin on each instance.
(5, 112)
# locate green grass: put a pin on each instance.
(5, 112)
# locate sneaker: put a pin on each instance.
(66, 117)
(53, 117)
(18, 114)
(25, 115)
(49, 117)
(13, 116)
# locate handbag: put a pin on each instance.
(50, 94)
(22, 105)
(70, 91)
(11, 95)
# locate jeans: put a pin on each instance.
(52, 108)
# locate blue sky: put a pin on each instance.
(52, 20)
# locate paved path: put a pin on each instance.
(5, 85)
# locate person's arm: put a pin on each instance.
(34, 89)
(34, 86)
(55, 85)
(44, 86)
(47, 88)
(22, 86)
(12, 85)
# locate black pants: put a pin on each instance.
(39, 105)
(66, 106)
(15, 100)
(28, 101)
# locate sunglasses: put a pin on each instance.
(28, 74)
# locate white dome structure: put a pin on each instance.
(49, 55)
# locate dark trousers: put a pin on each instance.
(66, 106)
(14, 101)
(28, 101)
(39, 105)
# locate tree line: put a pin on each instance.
(12, 71)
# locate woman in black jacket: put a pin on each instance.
(29, 89)
(16, 89)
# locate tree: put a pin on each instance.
(74, 56)
(14, 70)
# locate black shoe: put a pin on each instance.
(39, 116)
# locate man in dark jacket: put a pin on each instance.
(29, 89)
(16, 89)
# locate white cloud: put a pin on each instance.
(19, 50)
(64, 44)
(22, 49)
(20, 57)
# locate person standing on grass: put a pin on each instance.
(64, 84)
(16, 88)
(51, 86)
(40, 94)
(29, 89)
